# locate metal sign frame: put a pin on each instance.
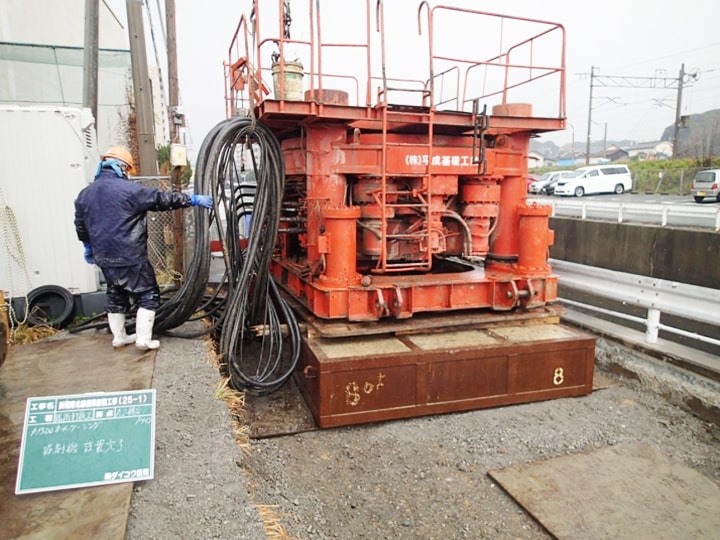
(84, 440)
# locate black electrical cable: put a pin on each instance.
(258, 335)
(185, 301)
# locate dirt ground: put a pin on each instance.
(423, 478)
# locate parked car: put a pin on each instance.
(530, 180)
(595, 179)
(545, 184)
(549, 188)
(706, 184)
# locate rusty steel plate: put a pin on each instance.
(77, 364)
(363, 379)
(625, 491)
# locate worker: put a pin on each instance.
(110, 221)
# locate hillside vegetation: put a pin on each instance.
(672, 176)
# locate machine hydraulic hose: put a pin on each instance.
(258, 337)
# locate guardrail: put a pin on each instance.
(660, 214)
(657, 296)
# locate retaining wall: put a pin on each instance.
(686, 255)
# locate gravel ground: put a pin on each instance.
(423, 478)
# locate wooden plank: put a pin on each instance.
(424, 322)
(4, 310)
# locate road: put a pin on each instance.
(665, 210)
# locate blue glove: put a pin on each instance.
(201, 200)
(88, 253)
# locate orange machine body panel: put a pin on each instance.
(400, 205)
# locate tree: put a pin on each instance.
(163, 159)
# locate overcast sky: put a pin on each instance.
(637, 38)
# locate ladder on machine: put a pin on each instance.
(415, 199)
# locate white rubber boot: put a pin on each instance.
(144, 321)
(116, 322)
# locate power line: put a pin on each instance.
(674, 54)
(653, 83)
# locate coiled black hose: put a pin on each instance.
(257, 333)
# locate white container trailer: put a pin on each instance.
(47, 155)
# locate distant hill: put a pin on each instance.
(699, 135)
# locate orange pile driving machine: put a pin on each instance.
(407, 242)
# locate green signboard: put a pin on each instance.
(87, 440)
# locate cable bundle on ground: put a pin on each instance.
(188, 299)
(258, 336)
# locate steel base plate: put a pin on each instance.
(363, 379)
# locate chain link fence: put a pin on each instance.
(670, 181)
(165, 247)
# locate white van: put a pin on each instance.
(595, 179)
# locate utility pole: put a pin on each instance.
(144, 125)
(175, 121)
(678, 107)
(90, 58)
(589, 126)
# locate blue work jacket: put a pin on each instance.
(111, 212)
